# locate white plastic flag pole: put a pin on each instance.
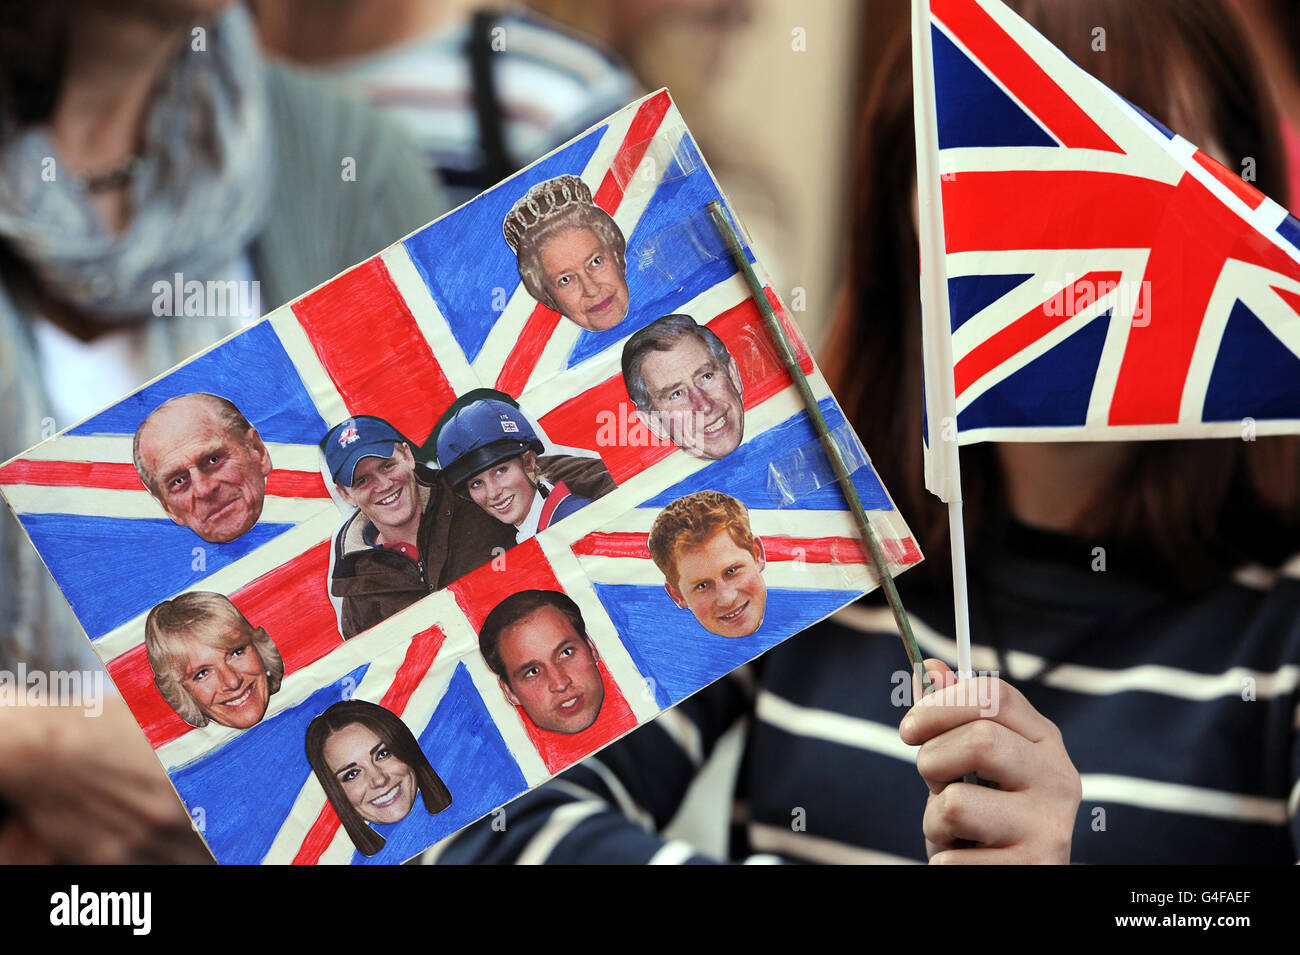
(942, 464)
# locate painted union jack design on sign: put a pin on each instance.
(373, 748)
(1105, 279)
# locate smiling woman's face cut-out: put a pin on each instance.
(378, 785)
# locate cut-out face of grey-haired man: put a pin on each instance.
(686, 386)
(205, 464)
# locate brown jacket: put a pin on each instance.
(455, 536)
(586, 477)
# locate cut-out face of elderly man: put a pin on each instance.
(205, 464)
(686, 386)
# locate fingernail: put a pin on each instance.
(906, 727)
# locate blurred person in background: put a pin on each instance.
(1134, 674)
(1273, 27)
(690, 46)
(484, 91)
(137, 142)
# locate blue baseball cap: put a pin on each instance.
(363, 436)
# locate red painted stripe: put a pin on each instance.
(122, 477)
(603, 418)
(1240, 187)
(561, 750)
(522, 567)
(368, 341)
(609, 193)
(525, 567)
(522, 360)
(640, 134)
(291, 602)
(318, 837)
(811, 550)
(94, 474)
(419, 657)
(1029, 328)
(1021, 75)
(613, 544)
(296, 484)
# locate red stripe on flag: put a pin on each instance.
(1291, 298)
(419, 657)
(96, 474)
(1182, 274)
(524, 356)
(368, 341)
(123, 477)
(291, 603)
(1240, 187)
(1021, 75)
(613, 544)
(1030, 327)
(603, 418)
(811, 550)
(522, 360)
(1001, 211)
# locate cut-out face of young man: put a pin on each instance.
(551, 671)
(722, 584)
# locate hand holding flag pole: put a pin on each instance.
(833, 452)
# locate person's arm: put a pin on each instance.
(611, 807)
(88, 789)
(1027, 815)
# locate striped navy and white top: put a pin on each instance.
(1180, 714)
(551, 86)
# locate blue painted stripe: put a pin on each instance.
(252, 370)
(112, 569)
(746, 473)
(246, 789)
(674, 255)
(468, 753)
(463, 258)
(670, 647)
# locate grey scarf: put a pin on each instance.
(198, 200)
(199, 194)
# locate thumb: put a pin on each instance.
(940, 675)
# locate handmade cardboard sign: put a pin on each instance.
(434, 531)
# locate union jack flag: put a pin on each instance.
(400, 336)
(1087, 273)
